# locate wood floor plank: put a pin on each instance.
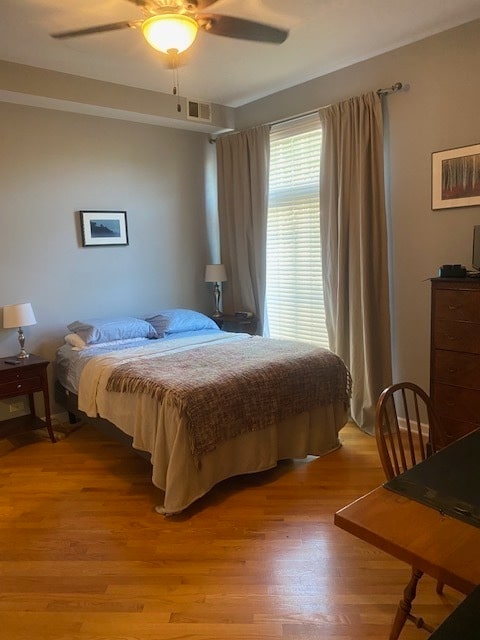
(84, 555)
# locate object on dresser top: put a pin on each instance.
(452, 271)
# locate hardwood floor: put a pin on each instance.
(84, 556)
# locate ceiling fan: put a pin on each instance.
(171, 26)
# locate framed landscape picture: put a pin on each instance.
(102, 228)
(456, 177)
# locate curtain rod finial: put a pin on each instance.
(398, 86)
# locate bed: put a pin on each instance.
(204, 404)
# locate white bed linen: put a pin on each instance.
(157, 428)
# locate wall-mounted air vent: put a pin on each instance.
(200, 111)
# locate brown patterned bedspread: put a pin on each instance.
(224, 390)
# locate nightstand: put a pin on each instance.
(236, 324)
(25, 378)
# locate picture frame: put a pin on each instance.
(456, 177)
(103, 228)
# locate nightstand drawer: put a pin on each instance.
(20, 386)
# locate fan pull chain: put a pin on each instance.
(173, 59)
(176, 88)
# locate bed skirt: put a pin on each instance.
(174, 470)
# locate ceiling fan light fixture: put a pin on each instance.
(170, 31)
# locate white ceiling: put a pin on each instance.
(325, 35)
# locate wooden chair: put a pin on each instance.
(405, 429)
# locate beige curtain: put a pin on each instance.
(242, 166)
(354, 248)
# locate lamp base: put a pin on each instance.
(21, 340)
(216, 294)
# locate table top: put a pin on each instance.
(22, 363)
(441, 546)
(448, 481)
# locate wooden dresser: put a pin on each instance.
(455, 355)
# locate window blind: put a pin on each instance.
(294, 293)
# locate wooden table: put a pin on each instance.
(25, 376)
(440, 546)
(236, 324)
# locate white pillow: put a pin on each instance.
(170, 321)
(75, 341)
(106, 330)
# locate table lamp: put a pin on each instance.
(19, 315)
(216, 273)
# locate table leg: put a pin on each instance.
(48, 419)
(405, 605)
(31, 403)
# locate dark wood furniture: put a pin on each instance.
(425, 537)
(455, 356)
(26, 377)
(440, 546)
(401, 449)
(236, 324)
(464, 622)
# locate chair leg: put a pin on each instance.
(405, 604)
(439, 588)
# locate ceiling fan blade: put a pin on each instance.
(114, 26)
(243, 29)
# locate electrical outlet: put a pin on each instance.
(14, 407)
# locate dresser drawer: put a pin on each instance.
(456, 403)
(451, 304)
(451, 430)
(456, 336)
(456, 368)
(19, 387)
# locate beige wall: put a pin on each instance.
(440, 110)
(55, 163)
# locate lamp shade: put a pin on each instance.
(170, 32)
(215, 273)
(18, 315)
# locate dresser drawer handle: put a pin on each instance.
(452, 307)
(19, 386)
(452, 370)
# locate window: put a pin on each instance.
(294, 294)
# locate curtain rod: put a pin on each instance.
(398, 86)
(380, 92)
